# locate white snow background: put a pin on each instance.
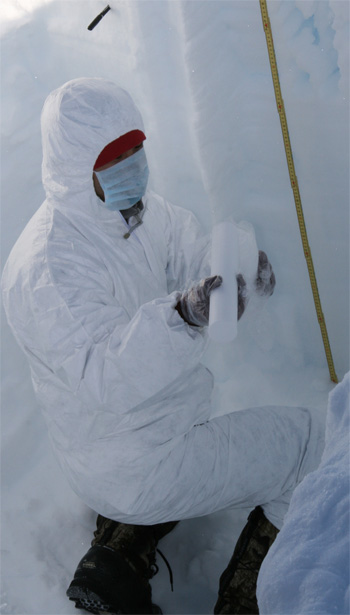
(199, 72)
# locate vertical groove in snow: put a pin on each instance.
(163, 95)
(225, 59)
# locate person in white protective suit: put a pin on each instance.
(107, 292)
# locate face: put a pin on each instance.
(123, 156)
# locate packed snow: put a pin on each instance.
(199, 72)
(307, 568)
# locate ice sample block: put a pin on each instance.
(248, 253)
(234, 251)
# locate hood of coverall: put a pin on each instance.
(78, 120)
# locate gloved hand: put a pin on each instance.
(193, 305)
(265, 280)
(242, 296)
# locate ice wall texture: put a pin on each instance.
(307, 569)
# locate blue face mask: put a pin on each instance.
(124, 184)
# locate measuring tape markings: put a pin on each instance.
(295, 186)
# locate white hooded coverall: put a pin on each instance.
(115, 368)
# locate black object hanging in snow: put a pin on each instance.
(98, 18)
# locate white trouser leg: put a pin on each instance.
(276, 509)
(244, 459)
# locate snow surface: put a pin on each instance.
(199, 73)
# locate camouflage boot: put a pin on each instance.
(237, 589)
(113, 576)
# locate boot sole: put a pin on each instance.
(87, 600)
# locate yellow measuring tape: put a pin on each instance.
(295, 187)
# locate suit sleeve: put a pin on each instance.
(189, 249)
(92, 345)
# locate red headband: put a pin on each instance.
(119, 146)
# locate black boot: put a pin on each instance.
(237, 589)
(114, 574)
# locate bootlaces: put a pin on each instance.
(171, 577)
(154, 568)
